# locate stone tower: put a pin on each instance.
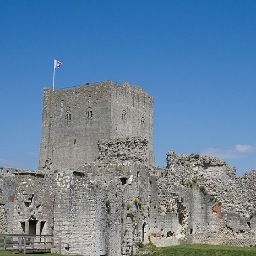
(75, 119)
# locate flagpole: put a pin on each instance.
(53, 77)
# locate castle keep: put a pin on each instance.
(97, 191)
(74, 120)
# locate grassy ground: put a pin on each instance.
(201, 250)
(181, 250)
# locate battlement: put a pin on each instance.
(98, 86)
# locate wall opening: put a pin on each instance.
(27, 203)
(124, 115)
(22, 225)
(123, 180)
(142, 121)
(42, 224)
(169, 234)
(89, 112)
(144, 231)
(69, 116)
(32, 227)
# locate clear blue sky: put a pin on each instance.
(197, 58)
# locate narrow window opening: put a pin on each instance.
(124, 115)
(180, 217)
(191, 231)
(32, 227)
(69, 116)
(22, 225)
(143, 231)
(89, 112)
(249, 224)
(123, 180)
(42, 223)
(142, 121)
(74, 141)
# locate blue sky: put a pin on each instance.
(197, 58)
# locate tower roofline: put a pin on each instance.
(106, 83)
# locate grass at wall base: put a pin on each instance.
(180, 250)
(199, 250)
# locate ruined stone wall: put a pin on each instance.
(3, 209)
(26, 202)
(131, 150)
(230, 208)
(106, 208)
(177, 212)
(81, 214)
(112, 201)
(3, 219)
(248, 187)
(7, 195)
(33, 203)
(102, 209)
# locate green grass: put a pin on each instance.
(201, 250)
(181, 250)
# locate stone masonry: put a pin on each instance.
(98, 193)
(75, 119)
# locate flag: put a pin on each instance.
(57, 64)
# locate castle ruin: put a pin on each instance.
(97, 191)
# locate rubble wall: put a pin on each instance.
(106, 208)
(231, 207)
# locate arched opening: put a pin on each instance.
(89, 112)
(124, 115)
(144, 237)
(68, 114)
